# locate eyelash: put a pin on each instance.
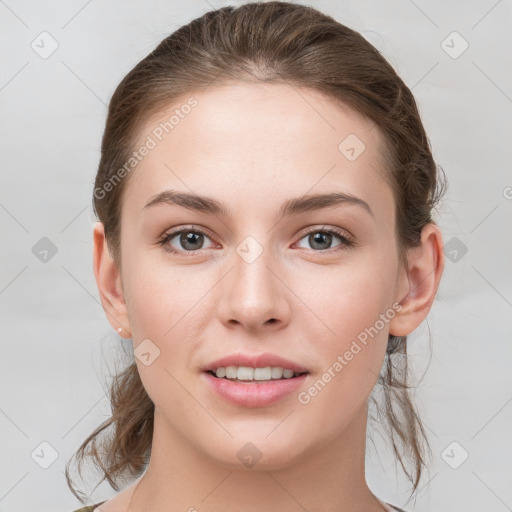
(346, 242)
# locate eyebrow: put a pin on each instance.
(290, 207)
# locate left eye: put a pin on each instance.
(320, 238)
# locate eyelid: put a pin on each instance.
(326, 228)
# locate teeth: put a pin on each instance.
(245, 373)
(248, 373)
(262, 373)
(276, 372)
(230, 372)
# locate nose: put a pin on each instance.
(254, 294)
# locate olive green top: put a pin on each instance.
(89, 508)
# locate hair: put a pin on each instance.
(272, 42)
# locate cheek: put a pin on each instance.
(347, 299)
(170, 306)
(158, 296)
(161, 309)
(355, 308)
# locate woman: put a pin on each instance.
(265, 238)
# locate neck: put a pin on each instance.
(180, 477)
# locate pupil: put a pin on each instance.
(319, 238)
(190, 238)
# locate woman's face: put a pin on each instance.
(264, 274)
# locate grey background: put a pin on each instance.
(57, 346)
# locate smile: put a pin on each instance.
(246, 373)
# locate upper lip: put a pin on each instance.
(254, 361)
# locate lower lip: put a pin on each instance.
(254, 393)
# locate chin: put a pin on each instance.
(254, 455)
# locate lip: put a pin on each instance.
(254, 361)
(254, 394)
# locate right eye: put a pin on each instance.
(189, 240)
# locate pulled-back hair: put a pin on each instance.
(273, 42)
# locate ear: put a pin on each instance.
(425, 265)
(108, 280)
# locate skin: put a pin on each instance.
(253, 147)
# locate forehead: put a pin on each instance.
(259, 141)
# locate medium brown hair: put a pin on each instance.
(273, 42)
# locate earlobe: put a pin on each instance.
(425, 265)
(108, 281)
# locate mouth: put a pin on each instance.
(247, 375)
(254, 387)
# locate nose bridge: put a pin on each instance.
(253, 295)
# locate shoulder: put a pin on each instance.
(89, 508)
